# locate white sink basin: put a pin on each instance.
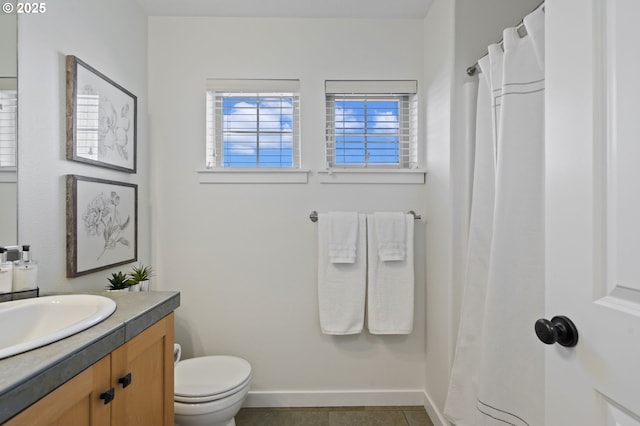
(30, 323)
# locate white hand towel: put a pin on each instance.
(390, 291)
(341, 286)
(343, 235)
(391, 233)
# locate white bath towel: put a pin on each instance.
(390, 285)
(343, 235)
(341, 286)
(391, 234)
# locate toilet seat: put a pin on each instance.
(210, 378)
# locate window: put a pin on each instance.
(253, 123)
(371, 124)
(8, 124)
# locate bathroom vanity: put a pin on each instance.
(118, 372)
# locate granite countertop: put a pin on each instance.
(27, 377)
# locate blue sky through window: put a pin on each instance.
(258, 130)
(367, 131)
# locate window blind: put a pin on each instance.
(371, 124)
(8, 127)
(253, 123)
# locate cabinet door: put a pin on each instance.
(76, 403)
(146, 362)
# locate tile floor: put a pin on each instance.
(334, 416)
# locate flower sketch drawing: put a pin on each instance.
(102, 130)
(103, 220)
(111, 134)
(102, 224)
(101, 118)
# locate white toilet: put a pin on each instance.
(209, 390)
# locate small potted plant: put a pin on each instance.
(119, 282)
(140, 276)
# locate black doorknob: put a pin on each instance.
(559, 330)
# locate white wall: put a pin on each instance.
(244, 255)
(439, 39)
(110, 35)
(8, 40)
(8, 212)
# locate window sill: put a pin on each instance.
(232, 175)
(8, 175)
(402, 176)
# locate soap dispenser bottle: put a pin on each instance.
(6, 272)
(25, 272)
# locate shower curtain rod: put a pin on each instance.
(520, 27)
(313, 216)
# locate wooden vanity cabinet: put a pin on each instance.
(138, 376)
(147, 360)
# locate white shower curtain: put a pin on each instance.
(498, 371)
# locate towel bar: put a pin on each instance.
(313, 216)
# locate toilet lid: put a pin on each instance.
(204, 378)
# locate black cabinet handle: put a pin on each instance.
(108, 395)
(125, 380)
(559, 330)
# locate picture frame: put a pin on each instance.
(101, 119)
(102, 224)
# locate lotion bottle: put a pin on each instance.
(6, 272)
(25, 272)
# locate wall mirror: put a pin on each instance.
(8, 129)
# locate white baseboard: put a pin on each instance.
(436, 416)
(347, 399)
(334, 398)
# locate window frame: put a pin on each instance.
(218, 90)
(402, 91)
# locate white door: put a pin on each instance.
(593, 210)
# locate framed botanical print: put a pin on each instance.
(101, 119)
(102, 224)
